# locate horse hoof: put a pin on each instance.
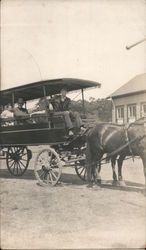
(97, 187)
(98, 182)
(121, 183)
(90, 185)
(115, 183)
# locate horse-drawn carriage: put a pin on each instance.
(46, 130)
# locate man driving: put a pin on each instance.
(61, 103)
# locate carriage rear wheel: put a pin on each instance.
(48, 167)
(17, 160)
(81, 170)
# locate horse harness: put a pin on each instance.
(127, 137)
(127, 141)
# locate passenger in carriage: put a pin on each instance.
(1, 109)
(41, 111)
(7, 112)
(20, 112)
(62, 104)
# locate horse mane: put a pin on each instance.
(139, 121)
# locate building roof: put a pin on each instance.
(135, 85)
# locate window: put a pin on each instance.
(120, 114)
(143, 109)
(132, 113)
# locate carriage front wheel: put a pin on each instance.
(47, 167)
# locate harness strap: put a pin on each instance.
(139, 138)
(127, 141)
(145, 123)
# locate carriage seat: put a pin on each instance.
(53, 119)
(4, 122)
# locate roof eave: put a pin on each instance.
(126, 94)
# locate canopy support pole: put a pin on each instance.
(44, 91)
(46, 104)
(83, 102)
(13, 100)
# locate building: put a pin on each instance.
(129, 101)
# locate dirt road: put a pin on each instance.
(71, 215)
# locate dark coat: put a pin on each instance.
(20, 112)
(58, 105)
(19, 115)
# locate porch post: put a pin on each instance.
(113, 111)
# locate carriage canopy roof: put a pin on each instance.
(35, 90)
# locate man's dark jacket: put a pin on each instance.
(58, 105)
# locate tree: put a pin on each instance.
(101, 109)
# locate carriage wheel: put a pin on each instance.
(17, 160)
(81, 170)
(48, 167)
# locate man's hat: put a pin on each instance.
(20, 100)
(64, 89)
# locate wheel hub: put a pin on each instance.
(15, 157)
(45, 169)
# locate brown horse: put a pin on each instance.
(108, 138)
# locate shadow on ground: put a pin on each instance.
(68, 179)
(71, 179)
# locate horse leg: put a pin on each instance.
(113, 163)
(98, 168)
(94, 169)
(98, 176)
(89, 165)
(89, 174)
(120, 164)
(94, 172)
(143, 157)
(144, 167)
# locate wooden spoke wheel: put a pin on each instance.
(17, 160)
(81, 170)
(48, 167)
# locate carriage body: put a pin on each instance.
(33, 133)
(45, 129)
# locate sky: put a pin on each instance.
(47, 39)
